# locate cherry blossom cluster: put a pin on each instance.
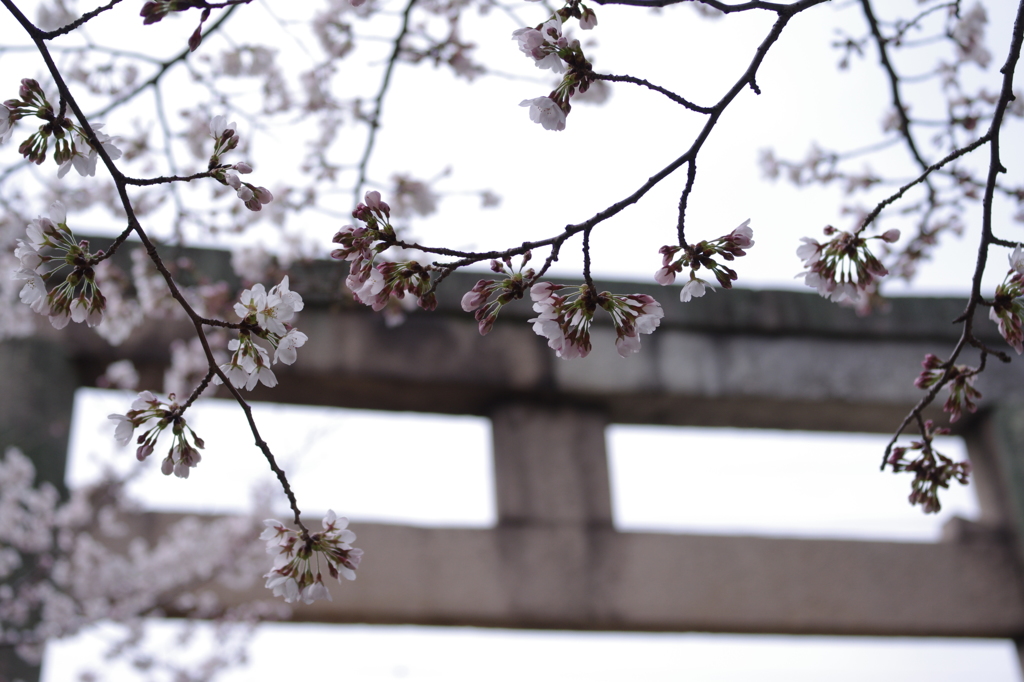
(376, 285)
(843, 269)
(565, 320)
(511, 288)
(1007, 308)
(703, 255)
(932, 470)
(388, 281)
(264, 314)
(77, 297)
(960, 382)
(550, 49)
(72, 147)
(300, 561)
(182, 456)
(59, 572)
(225, 139)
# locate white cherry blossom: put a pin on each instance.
(545, 111)
(285, 351)
(1017, 260)
(695, 288)
(84, 157)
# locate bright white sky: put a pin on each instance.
(798, 484)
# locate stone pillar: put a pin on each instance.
(554, 513)
(39, 383)
(38, 392)
(551, 466)
(996, 448)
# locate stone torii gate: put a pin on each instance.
(750, 359)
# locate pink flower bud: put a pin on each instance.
(665, 275)
(264, 195)
(588, 20)
(144, 451)
(891, 236)
(475, 297)
(195, 39)
(543, 290)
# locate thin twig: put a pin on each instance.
(657, 88)
(378, 106)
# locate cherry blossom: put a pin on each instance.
(588, 20)
(299, 559)
(368, 290)
(542, 44)
(511, 288)
(378, 285)
(959, 379)
(285, 351)
(83, 156)
(182, 455)
(632, 315)
(269, 313)
(843, 269)
(932, 470)
(33, 293)
(565, 320)
(1007, 309)
(695, 288)
(224, 133)
(1016, 259)
(545, 111)
(969, 36)
(8, 117)
(412, 197)
(75, 580)
(249, 365)
(78, 296)
(270, 310)
(707, 255)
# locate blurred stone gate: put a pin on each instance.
(748, 359)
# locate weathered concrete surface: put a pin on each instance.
(550, 466)
(37, 392)
(768, 359)
(568, 577)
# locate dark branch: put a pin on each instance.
(657, 88)
(48, 35)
